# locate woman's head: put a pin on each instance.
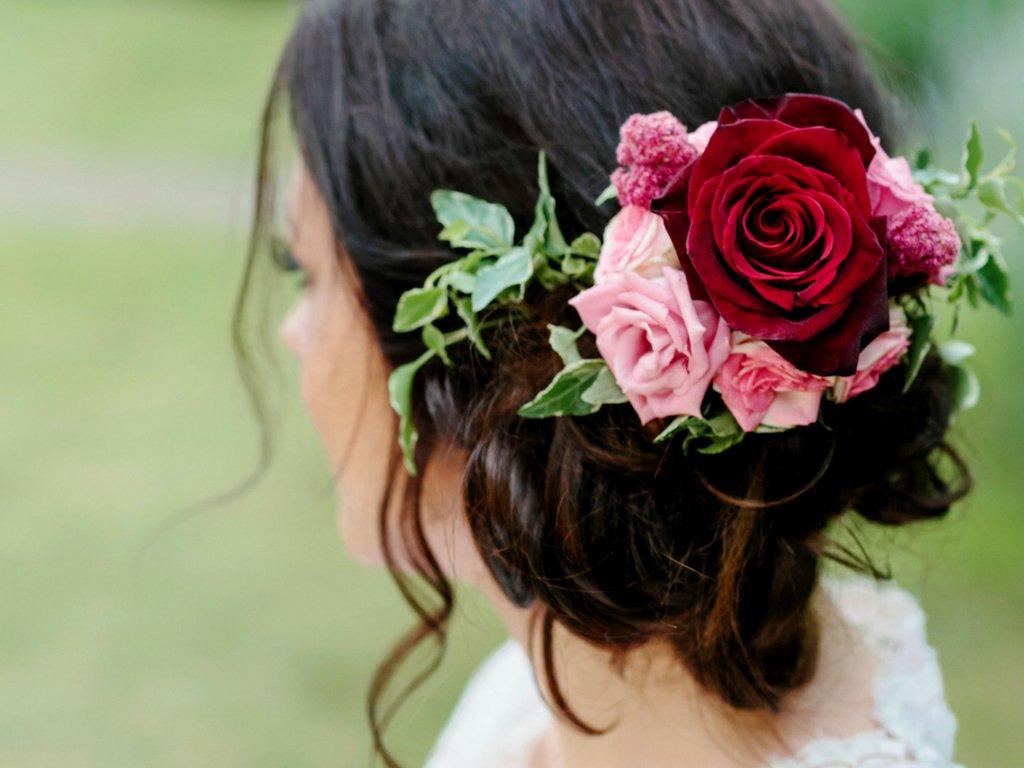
(619, 539)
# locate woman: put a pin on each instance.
(665, 607)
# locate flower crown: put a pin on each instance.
(758, 264)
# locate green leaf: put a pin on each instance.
(419, 306)
(455, 233)
(956, 289)
(460, 280)
(607, 195)
(546, 275)
(955, 351)
(587, 244)
(970, 265)
(724, 432)
(992, 194)
(932, 177)
(545, 234)
(400, 393)
(433, 340)
(1009, 161)
(713, 435)
(923, 159)
(994, 284)
(563, 341)
(511, 269)
(974, 156)
(472, 223)
(921, 328)
(1018, 185)
(678, 424)
(966, 390)
(573, 266)
(714, 444)
(971, 286)
(564, 395)
(605, 390)
(464, 308)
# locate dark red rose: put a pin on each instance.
(773, 225)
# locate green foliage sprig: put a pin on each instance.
(975, 201)
(493, 275)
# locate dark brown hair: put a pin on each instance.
(601, 530)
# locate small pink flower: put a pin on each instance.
(652, 149)
(760, 387)
(922, 241)
(662, 347)
(700, 136)
(635, 240)
(883, 353)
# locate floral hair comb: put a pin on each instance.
(758, 264)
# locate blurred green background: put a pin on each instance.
(135, 633)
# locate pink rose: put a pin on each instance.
(883, 353)
(891, 184)
(699, 137)
(760, 387)
(662, 347)
(635, 241)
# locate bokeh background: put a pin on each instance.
(141, 625)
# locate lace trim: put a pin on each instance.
(916, 728)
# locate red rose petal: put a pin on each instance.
(835, 350)
(803, 110)
(826, 150)
(727, 147)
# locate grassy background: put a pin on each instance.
(137, 633)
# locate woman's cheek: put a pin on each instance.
(295, 327)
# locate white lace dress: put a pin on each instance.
(501, 717)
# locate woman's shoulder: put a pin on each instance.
(914, 727)
(498, 718)
(501, 714)
(910, 700)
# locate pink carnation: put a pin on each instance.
(922, 241)
(657, 138)
(662, 347)
(652, 149)
(635, 240)
(883, 353)
(760, 387)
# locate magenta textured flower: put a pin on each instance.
(760, 387)
(654, 139)
(652, 149)
(662, 347)
(922, 241)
